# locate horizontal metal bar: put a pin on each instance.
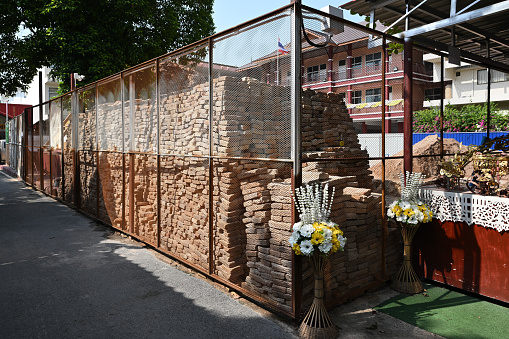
(458, 19)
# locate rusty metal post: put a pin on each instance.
(158, 156)
(384, 217)
(97, 179)
(296, 146)
(131, 154)
(407, 115)
(211, 161)
(74, 148)
(488, 103)
(442, 94)
(41, 158)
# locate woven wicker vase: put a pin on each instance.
(317, 323)
(407, 280)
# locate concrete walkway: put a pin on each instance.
(65, 276)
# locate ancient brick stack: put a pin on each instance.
(250, 201)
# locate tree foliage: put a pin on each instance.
(95, 38)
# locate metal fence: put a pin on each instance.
(197, 153)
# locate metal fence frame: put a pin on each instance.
(24, 145)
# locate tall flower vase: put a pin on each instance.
(407, 280)
(317, 323)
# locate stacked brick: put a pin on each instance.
(251, 199)
(185, 208)
(110, 174)
(109, 126)
(145, 197)
(88, 182)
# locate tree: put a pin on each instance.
(95, 38)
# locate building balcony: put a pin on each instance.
(366, 73)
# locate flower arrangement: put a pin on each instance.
(315, 231)
(409, 209)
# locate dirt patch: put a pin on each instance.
(426, 165)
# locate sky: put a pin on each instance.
(230, 13)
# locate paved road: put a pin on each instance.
(64, 276)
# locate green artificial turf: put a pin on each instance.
(449, 314)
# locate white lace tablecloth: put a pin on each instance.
(492, 212)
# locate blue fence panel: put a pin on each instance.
(467, 138)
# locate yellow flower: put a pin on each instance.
(337, 231)
(397, 210)
(316, 238)
(296, 249)
(408, 212)
(422, 208)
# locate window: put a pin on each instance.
(357, 62)
(317, 73)
(374, 95)
(342, 70)
(52, 92)
(428, 67)
(356, 97)
(374, 60)
(496, 76)
(432, 93)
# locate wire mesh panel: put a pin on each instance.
(55, 140)
(143, 199)
(185, 211)
(251, 91)
(29, 147)
(13, 144)
(111, 195)
(183, 103)
(46, 148)
(87, 156)
(36, 149)
(110, 160)
(109, 115)
(140, 102)
(68, 150)
(86, 119)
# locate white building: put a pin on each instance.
(31, 96)
(467, 84)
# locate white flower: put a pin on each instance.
(413, 220)
(325, 246)
(306, 247)
(331, 223)
(404, 205)
(394, 203)
(294, 237)
(342, 240)
(306, 230)
(419, 215)
(327, 234)
(297, 226)
(401, 218)
(390, 213)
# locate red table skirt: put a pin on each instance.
(472, 258)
